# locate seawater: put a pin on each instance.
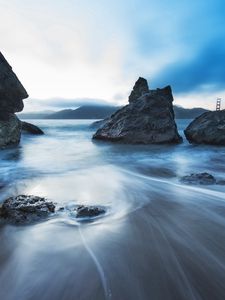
(160, 239)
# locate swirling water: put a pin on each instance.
(159, 240)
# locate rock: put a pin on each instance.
(89, 211)
(11, 90)
(99, 124)
(140, 88)
(10, 131)
(24, 209)
(199, 178)
(30, 128)
(209, 128)
(147, 120)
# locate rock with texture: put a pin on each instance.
(25, 209)
(89, 211)
(30, 128)
(10, 131)
(147, 120)
(12, 92)
(209, 128)
(199, 178)
(140, 88)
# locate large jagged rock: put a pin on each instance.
(11, 90)
(140, 88)
(10, 131)
(12, 94)
(209, 128)
(148, 119)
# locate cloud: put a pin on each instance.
(203, 72)
(76, 49)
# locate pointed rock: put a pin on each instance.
(140, 88)
(11, 90)
(147, 120)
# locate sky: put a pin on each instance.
(67, 52)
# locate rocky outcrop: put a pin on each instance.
(25, 209)
(209, 128)
(148, 119)
(10, 130)
(30, 128)
(12, 94)
(140, 88)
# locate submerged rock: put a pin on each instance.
(24, 209)
(10, 131)
(199, 178)
(140, 88)
(148, 119)
(11, 90)
(30, 128)
(89, 211)
(209, 128)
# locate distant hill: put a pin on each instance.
(102, 112)
(34, 115)
(84, 112)
(188, 113)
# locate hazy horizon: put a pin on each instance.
(96, 50)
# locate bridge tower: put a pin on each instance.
(218, 104)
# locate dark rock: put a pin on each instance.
(30, 128)
(10, 131)
(140, 88)
(89, 211)
(99, 124)
(199, 178)
(24, 209)
(209, 128)
(147, 120)
(220, 182)
(11, 90)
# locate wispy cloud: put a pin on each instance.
(96, 49)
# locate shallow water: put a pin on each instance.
(159, 240)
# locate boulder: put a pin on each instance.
(140, 88)
(89, 211)
(199, 178)
(11, 90)
(30, 128)
(147, 120)
(10, 131)
(24, 209)
(209, 128)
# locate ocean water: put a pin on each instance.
(160, 239)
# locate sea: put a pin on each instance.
(160, 239)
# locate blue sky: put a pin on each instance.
(96, 49)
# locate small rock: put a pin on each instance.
(24, 209)
(30, 128)
(89, 211)
(199, 178)
(220, 182)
